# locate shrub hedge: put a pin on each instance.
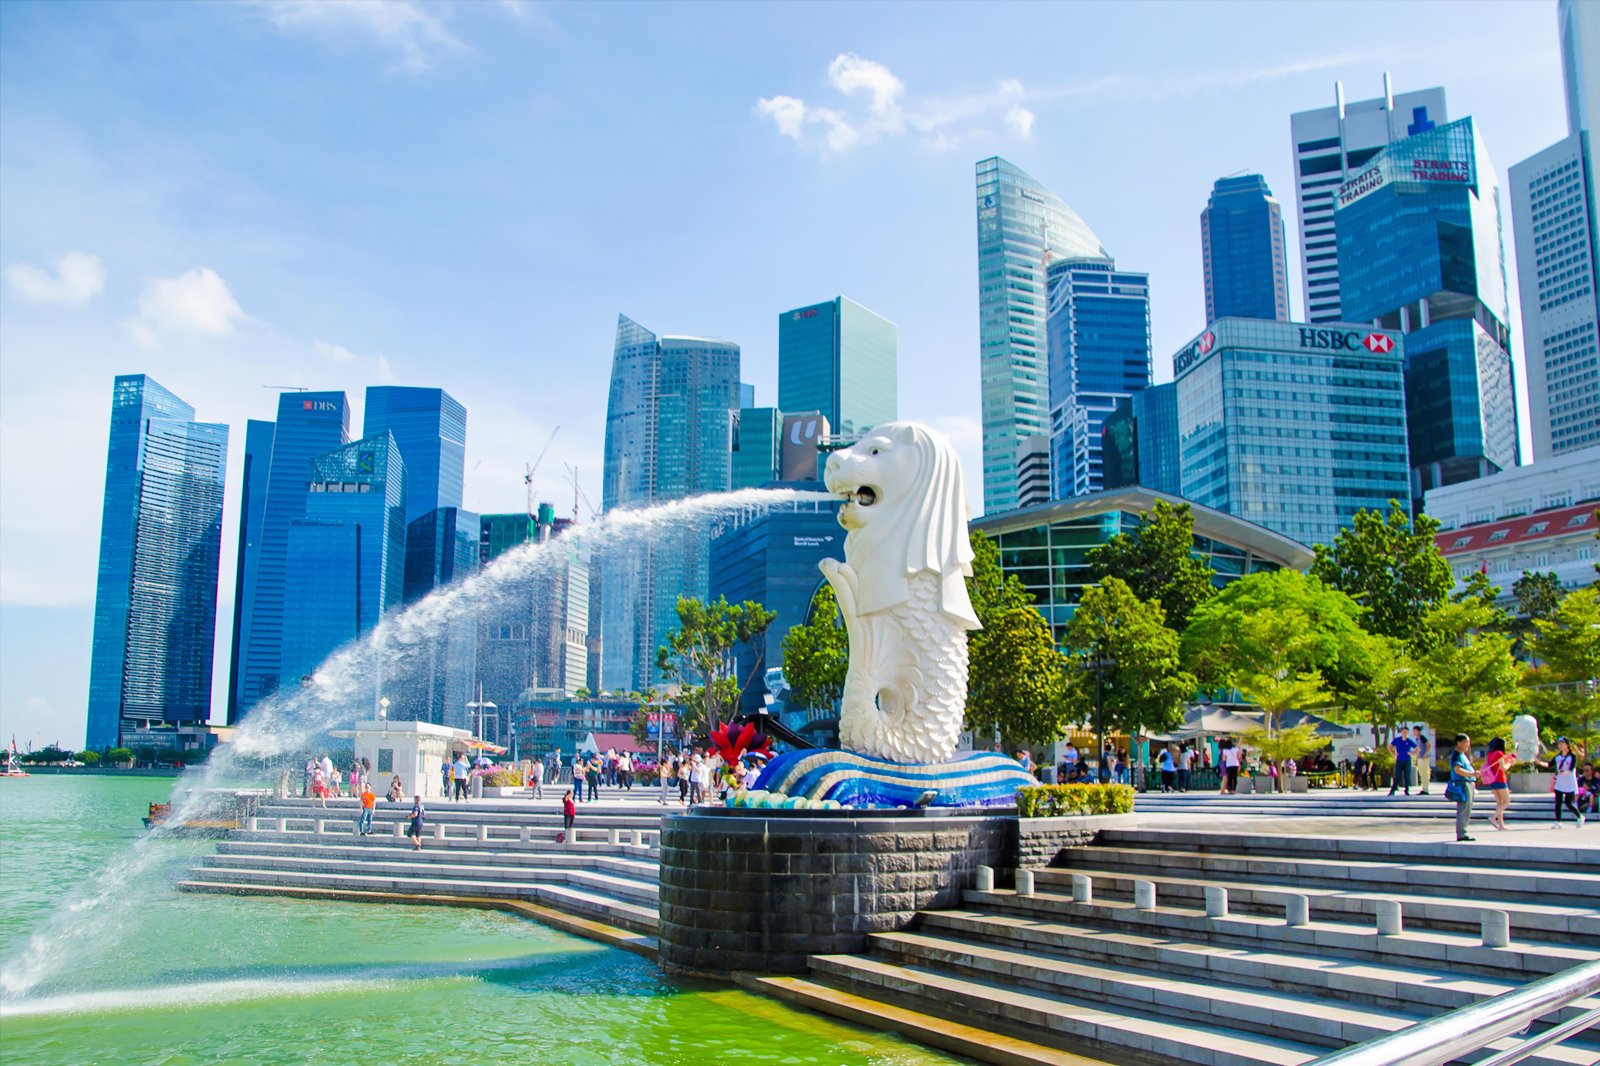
(1051, 801)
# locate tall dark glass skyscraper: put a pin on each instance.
(669, 434)
(1241, 241)
(309, 424)
(838, 358)
(430, 426)
(1022, 226)
(1098, 338)
(346, 553)
(160, 543)
(1420, 251)
(252, 509)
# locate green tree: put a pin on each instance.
(991, 589)
(1376, 692)
(700, 652)
(1158, 563)
(119, 755)
(1284, 744)
(816, 654)
(1280, 638)
(1476, 586)
(1390, 566)
(1016, 684)
(1565, 689)
(1468, 681)
(1538, 594)
(1142, 687)
(88, 758)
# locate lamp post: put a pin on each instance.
(479, 707)
(383, 708)
(1099, 664)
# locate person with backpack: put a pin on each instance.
(1492, 776)
(1459, 791)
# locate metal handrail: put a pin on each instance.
(1474, 1027)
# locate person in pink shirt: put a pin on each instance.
(1492, 776)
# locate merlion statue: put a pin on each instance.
(902, 592)
(1525, 737)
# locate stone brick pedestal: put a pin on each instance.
(763, 889)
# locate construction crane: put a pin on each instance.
(527, 478)
(579, 494)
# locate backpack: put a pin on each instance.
(1486, 773)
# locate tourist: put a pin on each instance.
(414, 831)
(1185, 766)
(1422, 758)
(397, 789)
(1230, 766)
(1493, 777)
(577, 776)
(1462, 775)
(1358, 772)
(447, 774)
(569, 814)
(1589, 789)
(329, 778)
(463, 774)
(319, 787)
(369, 800)
(1069, 759)
(1402, 746)
(697, 780)
(311, 769)
(625, 771)
(1564, 764)
(1169, 775)
(1025, 761)
(684, 772)
(355, 779)
(535, 778)
(596, 767)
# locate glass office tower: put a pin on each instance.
(1098, 339)
(155, 611)
(309, 424)
(1292, 427)
(1420, 252)
(669, 434)
(838, 358)
(1021, 227)
(758, 447)
(430, 426)
(1141, 441)
(432, 679)
(1241, 243)
(252, 507)
(345, 557)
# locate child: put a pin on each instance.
(415, 831)
(569, 812)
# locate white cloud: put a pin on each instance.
(77, 279)
(404, 27)
(1020, 119)
(196, 302)
(338, 353)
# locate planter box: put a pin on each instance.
(1246, 785)
(1526, 784)
(1299, 784)
(497, 792)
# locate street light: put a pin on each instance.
(479, 707)
(1099, 664)
(383, 708)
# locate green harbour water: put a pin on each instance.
(159, 976)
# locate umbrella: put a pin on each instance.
(483, 745)
(1215, 721)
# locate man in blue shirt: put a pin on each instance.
(1402, 746)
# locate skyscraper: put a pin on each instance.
(252, 508)
(309, 424)
(1555, 213)
(758, 447)
(430, 426)
(433, 679)
(1141, 441)
(1331, 144)
(1241, 241)
(1420, 251)
(155, 611)
(669, 434)
(838, 358)
(1021, 226)
(345, 554)
(1098, 338)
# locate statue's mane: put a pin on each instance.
(923, 527)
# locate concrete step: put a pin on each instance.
(568, 897)
(1403, 989)
(644, 869)
(1583, 856)
(541, 812)
(501, 838)
(1374, 805)
(1252, 1010)
(1529, 920)
(1056, 1019)
(1413, 878)
(622, 887)
(1457, 952)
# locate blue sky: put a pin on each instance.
(236, 195)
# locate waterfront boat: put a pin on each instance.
(13, 767)
(224, 811)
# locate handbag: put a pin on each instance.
(1456, 790)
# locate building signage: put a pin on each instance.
(317, 405)
(812, 541)
(802, 441)
(1368, 180)
(1345, 340)
(810, 312)
(1440, 170)
(1207, 341)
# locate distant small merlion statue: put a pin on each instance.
(1525, 737)
(902, 592)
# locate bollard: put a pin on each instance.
(638, 838)
(438, 831)
(985, 881)
(281, 791)
(614, 836)
(252, 824)
(1296, 909)
(572, 836)
(1389, 921)
(399, 830)
(1082, 888)
(1024, 882)
(1144, 895)
(1216, 902)
(1496, 929)
(483, 832)
(477, 786)
(525, 835)
(283, 825)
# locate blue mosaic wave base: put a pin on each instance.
(976, 779)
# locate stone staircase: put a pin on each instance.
(1347, 803)
(1075, 962)
(606, 870)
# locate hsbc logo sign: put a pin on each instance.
(1207, 341)
(1345, 340)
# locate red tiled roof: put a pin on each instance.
(1541, 525)
(620, 741)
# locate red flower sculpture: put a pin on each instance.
(734, 747)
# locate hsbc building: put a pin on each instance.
(1292, 426)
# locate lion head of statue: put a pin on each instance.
(906, 512)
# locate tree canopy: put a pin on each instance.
(1389, 565)
(700, 654)
(1538, 594)
(1563, 689)
(1157, 561)
(1141, 684)
(816, 654)
(1016, 684)
(1468, 681)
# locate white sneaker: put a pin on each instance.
(1580, 821)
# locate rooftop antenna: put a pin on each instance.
(287, 388)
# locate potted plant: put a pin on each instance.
(1526, 779)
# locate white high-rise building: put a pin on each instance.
(1555, 214)
(1331, 144)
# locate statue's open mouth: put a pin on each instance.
(866, 496)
